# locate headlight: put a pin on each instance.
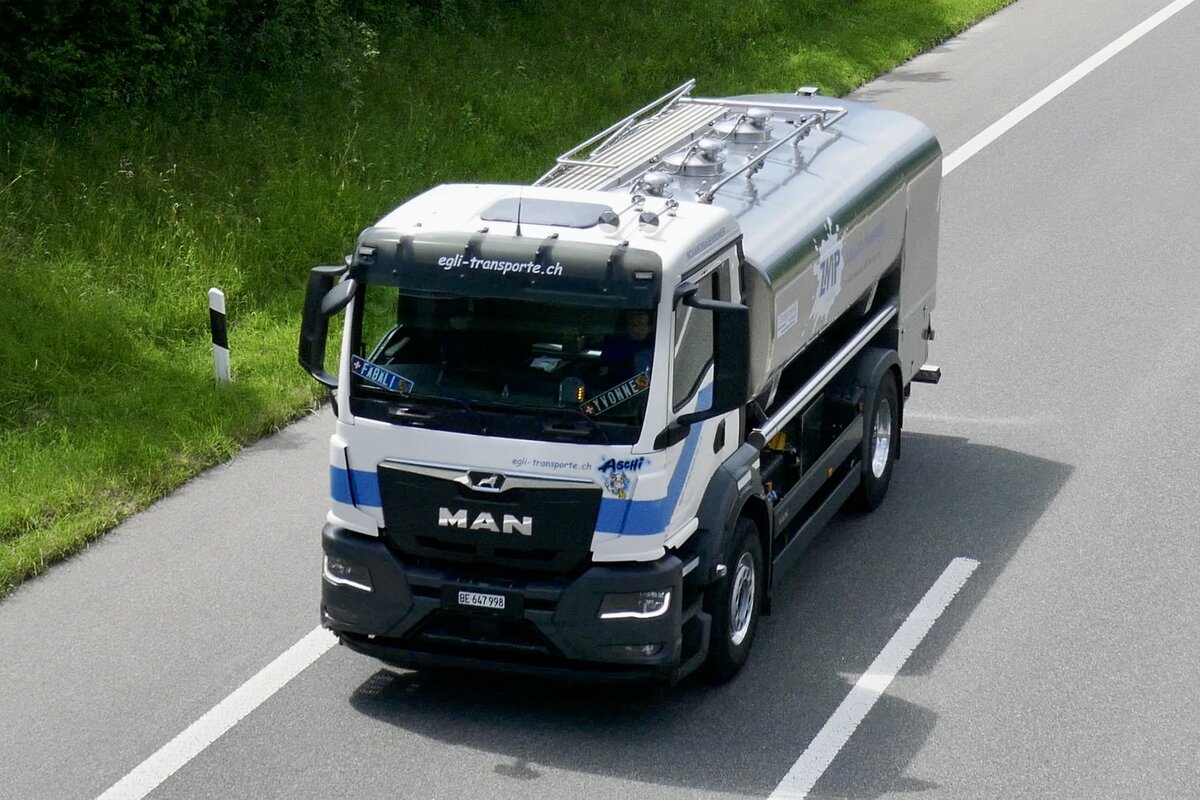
(341, 572)
(636, 605)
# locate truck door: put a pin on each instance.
(710, 442)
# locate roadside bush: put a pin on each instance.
(68, 54)
(62, 57)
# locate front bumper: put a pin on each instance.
(552, 626)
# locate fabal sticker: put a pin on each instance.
(828, 271)
(379, 376)
(616, 395)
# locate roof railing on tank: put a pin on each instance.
(608, 139)
(636, 145)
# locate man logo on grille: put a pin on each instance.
(484, 521)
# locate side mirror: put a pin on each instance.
(731, 355)
(324, 298)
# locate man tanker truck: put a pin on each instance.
(583, 425)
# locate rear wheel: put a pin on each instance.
(882, 437)
(735, 605)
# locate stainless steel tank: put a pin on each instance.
(844, 202)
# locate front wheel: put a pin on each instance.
(881, 438)
(736, 604)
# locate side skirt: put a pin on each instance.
(819, 518)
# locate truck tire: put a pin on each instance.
(880, 440)
(736, 601)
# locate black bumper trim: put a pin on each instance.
(588, 671)
(404, 621)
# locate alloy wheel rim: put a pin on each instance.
(741, 604)
(881, 439)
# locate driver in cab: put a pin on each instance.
(630, 351)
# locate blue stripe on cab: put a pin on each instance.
(627, 517)
(650, 517)
(349, 486)
(339, 485)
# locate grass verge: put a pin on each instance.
(112, 230)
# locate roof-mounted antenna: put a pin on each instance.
(520, 196)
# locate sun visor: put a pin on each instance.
(519, 267)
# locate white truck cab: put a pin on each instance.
(582, 424)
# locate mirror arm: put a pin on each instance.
(713, 305)
(325, 379)
(338, 297)
(685, 291)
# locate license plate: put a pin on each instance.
(494, 602)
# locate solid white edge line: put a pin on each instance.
(220, 718)
(1012, 118)
(837, 730)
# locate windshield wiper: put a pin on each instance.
(587, 430)
(408, 414)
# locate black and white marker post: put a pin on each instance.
(220, 338)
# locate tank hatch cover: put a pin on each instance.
(703, 159)
(749, 126)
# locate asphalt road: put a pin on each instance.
(1058, 452)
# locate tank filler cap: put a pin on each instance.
(750, 126)
(702, 159)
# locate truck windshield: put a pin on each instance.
(511, 367)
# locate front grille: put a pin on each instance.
(481, 637)
(557, 540)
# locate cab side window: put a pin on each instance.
(693, 343)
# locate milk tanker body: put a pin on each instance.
(584, 425)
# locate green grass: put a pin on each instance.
(113, 228)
